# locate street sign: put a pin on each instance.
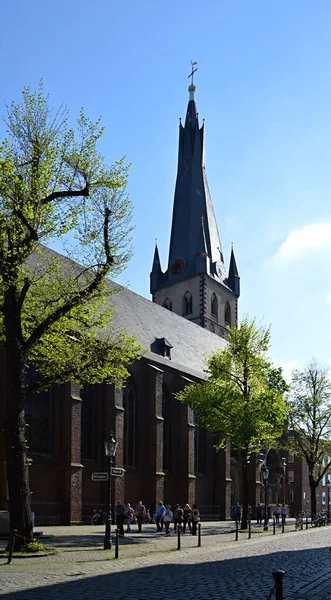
(117, 471)
(99, 476)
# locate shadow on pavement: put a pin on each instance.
(247, 578)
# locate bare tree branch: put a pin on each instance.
(66, 194)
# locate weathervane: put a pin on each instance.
(193, 71)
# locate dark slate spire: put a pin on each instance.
(192, 201)
(233, 277)
(156, 272)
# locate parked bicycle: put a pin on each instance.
(99, 517)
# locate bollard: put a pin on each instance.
(11, 546)
(249, 529)
(237, 530)
(301, 524)
(117, 539)
(306, 521)
(283, 525)
(274, 526)
(199, 535)
(278, 577)
(178, 537)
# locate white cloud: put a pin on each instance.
(328, 299)
(309, 237)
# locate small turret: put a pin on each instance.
(233, 277)
(156, 272)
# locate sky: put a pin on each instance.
(263, 87)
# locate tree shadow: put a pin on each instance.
(249, 578)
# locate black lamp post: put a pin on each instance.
(265, 477)
(284, 476)
(110, 449)
(328, 483)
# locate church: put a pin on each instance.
(164, 454)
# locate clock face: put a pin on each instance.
(220, 270)
(177, 266)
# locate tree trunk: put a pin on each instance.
(313, 487)
(245, 483)
(16, 451)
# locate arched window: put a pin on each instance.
(38, 416)
(187, 304)
(88, 427)
(199, 441)
(214, 306)
(227, 314)
(211, 327)
(129, 442)
(166, 428)
(167, 304)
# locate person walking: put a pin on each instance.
(187, 518)
(120, 516)
(283, 513)
(140, 514)
(237, 512)
(129, 517)
(195, 518)
(258, 513)
(158, 516)
(277, 513)
(167, 518)
(178, 516)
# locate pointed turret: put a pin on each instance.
(233, 277)
(156, 272)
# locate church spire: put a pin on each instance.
(156, 272)
(233, 276)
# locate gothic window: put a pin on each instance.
(199, 439)
(88, 428)
(212, 328)
(129, 442)
(187, 304)
(166, 428)
(227, 314)
(167, 304)
(38, 413)
(214, 306)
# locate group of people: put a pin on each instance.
(186, 518)
(279, 513)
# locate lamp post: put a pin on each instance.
(265, 477)
(110, 450)
(284, 465)
(328, 483)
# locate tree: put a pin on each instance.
(242, 401)
(56, 313)
(310, 422)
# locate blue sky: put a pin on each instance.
(263, 87)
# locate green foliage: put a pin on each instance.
(54, 182)
(242, 400)
(35, 546)
(309, 403)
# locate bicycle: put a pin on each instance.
(99, 517)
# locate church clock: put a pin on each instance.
(177, 266)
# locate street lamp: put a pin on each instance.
(110, 450)
(328, 483)
(265, 477)
(284, 473)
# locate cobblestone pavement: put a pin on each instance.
(221, 569)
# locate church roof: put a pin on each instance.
(148, 322)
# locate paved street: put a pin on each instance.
(220, 569)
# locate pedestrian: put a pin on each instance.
(187, 517)
(129, 517)
(237, 512)
(178, 516)
(167, 518)
(158, 516)
(195, 518)
(258, 513)
(140, 514)
(120, 516)
(283, 513)
(277, 513)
